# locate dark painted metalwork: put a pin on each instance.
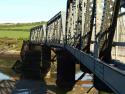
(38, 34)
(109, 22)
(112, 76)
(76, 38)
(89, 23)
(105, 37)
(56, 28)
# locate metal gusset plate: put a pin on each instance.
(106, 34)
(38, 34)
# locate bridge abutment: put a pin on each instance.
(65, 70)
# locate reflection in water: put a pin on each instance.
(87, 85)
(10, 74)
(86, 77)
(25, 91)
(4, 77)
(27, 86)
(7, 73)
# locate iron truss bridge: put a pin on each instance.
(87, 31)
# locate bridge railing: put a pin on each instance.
(52, 32)
(79, 23)
(38, 34)
(56, 29)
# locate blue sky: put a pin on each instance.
(29, 10)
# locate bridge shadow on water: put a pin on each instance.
(26, 86)
(36, 87)
(56, 90)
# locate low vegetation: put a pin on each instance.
(12, 35)
(11, 38)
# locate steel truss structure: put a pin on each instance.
(74, 33)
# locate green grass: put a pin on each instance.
(18, 31)
(11, 38)
(14, 34)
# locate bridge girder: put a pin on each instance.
(76, 37)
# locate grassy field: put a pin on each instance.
(11, 39)
(12, 35)
(18, 31)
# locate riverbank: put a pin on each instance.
(8, 58)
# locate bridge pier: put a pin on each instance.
(31, 62)
(46, 60)
(65, 70)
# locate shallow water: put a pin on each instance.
(6, 73)
(4, 76)
(86, 77)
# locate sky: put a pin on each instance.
(15, 11)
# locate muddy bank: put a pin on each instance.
(8, 57)
(9, 54)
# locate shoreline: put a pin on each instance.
(9, 54)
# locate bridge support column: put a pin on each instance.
(101, 86)
(65, 70)
(46, 60)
